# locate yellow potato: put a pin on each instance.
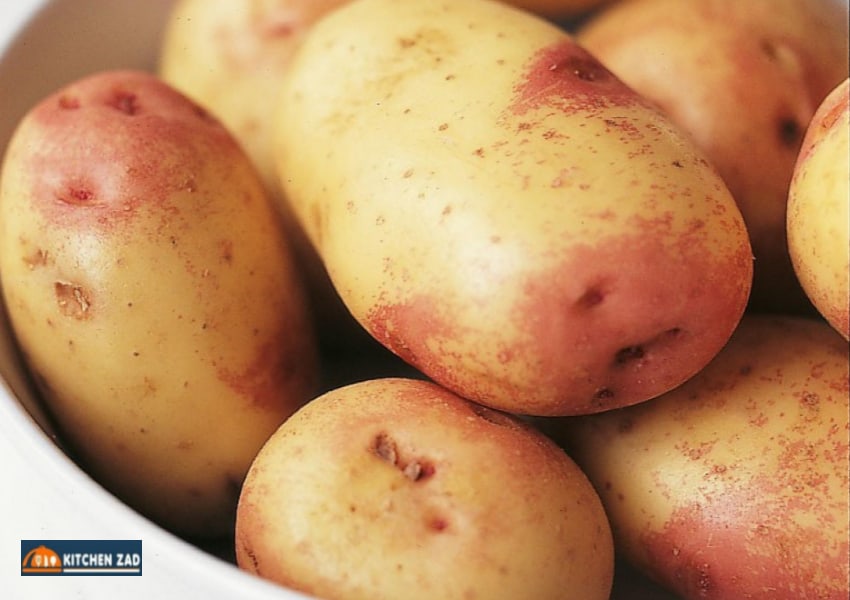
(502, 212)
(397, 488)
(743, 78)
(152, 293)
(229, 56)
(819, 210)
(734, 485)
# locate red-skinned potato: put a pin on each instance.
(397, 488)
(529, 233)
(152, 294)
(819, 210)
(743, 79)
(734, 485)
(229, 56)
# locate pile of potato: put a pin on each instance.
(457, 298)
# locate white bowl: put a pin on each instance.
(43, 45)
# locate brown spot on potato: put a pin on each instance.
(437, 524)
(603, 394)
(809, 400)
(594, 296)
(629, 354)
(226, 251)
(68, 102)
(38, 258)
(125, 102)
(73, 300)
(387, 450)
(77, 194)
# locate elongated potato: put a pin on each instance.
(229, 56)
(152, 294)
(502, 212)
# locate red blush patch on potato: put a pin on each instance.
(746, 545)
(110, 143)
(272, 370)
(611, 325)
(630, 318)
(406, 328)
(568, 77)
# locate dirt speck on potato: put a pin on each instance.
(125, 102)
(74, 301)
(414, 469)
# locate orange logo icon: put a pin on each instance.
(41, 560)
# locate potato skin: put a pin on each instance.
(397, 488)
(529, 233)
(229, 57)
(152, 294)
(743, 79)
(734, 485)
(818, 217)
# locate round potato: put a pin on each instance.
(152, 293)
(744, 80)
(819, 210)
(734, 485)
(529, 233)
(397, 488)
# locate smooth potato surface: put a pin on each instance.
(819, 210)
(499, 210)
(397, 488)
(152, 294)
(734, 485)
(743, 79)
(230, 57)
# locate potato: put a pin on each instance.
(734, 485)
(229, 56)
(819, 210)
(502, 212)
(152, 293)
(743, 79)
(397, 488)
